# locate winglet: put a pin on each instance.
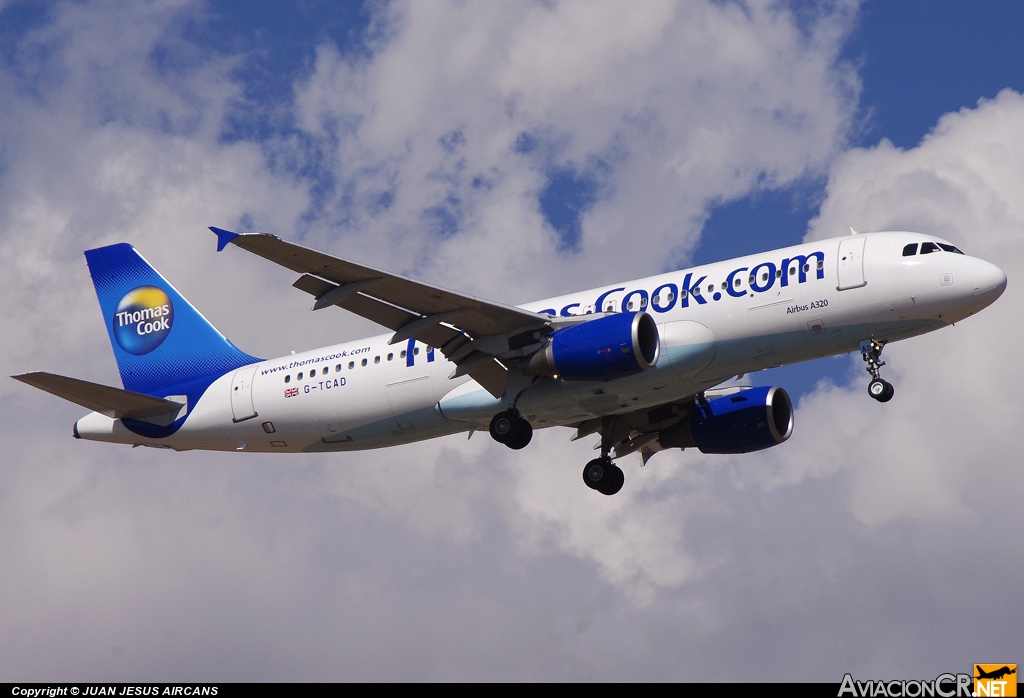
(223, 237)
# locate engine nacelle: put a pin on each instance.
(750, 420)
(608, 347)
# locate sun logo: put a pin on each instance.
(142, 320)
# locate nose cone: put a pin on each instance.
(988, 280)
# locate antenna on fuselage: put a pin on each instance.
(854, 231)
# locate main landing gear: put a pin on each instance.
(871, 352)
(511, 429)
(601, 474)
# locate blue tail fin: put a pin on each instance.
(162, 344)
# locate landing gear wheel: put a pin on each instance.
(604, 476)
(505, 426)
(510, 429)
(881, 390)
(524, 433)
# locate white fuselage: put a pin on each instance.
(751, 313)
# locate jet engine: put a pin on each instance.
(608, 347)
(750, 420)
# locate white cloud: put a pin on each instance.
(456, 559)
(669, 109)
(952, 424)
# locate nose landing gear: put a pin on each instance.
(871, 352)
(511, 429)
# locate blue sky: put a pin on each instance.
(917, 60)
(512, 151)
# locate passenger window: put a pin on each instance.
(821, 264)
(764, 277)
(390, 356)
(711, 287)
(402, 355)
(363, 362)
(312, 373)
(351, 364)
(299, 377)
(337, 369)
(736, 283)
(376, 359)
(807, 268)
(792, 270)
(415, 351)
(910, 250)
(929, 247)
(682, 293)
(778, 273)
(288, 379)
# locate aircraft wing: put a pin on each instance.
(450, 321)
(113, 402)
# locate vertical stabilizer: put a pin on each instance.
(162, 344)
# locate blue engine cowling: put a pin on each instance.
(608, 347)
(750, 420)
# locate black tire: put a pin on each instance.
(878, 389)
(594, 473)
(889, 392)
(504, 426)
(604, 476)
(614, 479)
(524, 432)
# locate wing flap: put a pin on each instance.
(113, 402)
(492, 376)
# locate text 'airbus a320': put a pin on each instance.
(635, 362)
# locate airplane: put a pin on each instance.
(640, 363)
(995, 674)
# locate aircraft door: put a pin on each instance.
(407, 396)
(328, 424)
(242, 407)
(851, 263)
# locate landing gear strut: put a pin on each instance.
(511, 429)
(871, 352)
(601, 474)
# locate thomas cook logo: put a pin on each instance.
(143, 320)
(995, 679)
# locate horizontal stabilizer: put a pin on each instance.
(113, 402)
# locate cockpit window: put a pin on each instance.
(929, 247)
(950, 248)
(910, 250)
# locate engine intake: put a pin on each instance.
(608, 347)
(750, 420)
